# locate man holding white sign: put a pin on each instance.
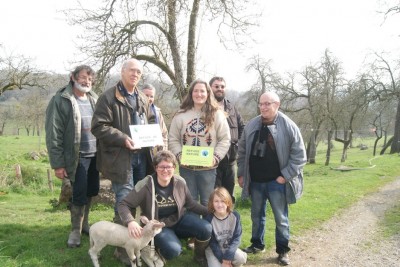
(119, 159)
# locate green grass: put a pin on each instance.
(391, 222)
(33, 233)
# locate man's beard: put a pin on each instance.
(81, 88)
(219, 97)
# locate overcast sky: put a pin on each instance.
(292, 33)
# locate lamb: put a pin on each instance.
(105, 233)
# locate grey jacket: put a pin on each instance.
(289, 147)
(63, 129)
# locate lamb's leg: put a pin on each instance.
(132, 257)
(94, 252)
(138, 259)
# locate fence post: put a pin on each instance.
(50, 180)
(18, 173)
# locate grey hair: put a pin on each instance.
(126, 62)
(78, 69)
(272, 95)
(149, 87)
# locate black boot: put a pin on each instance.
(199, 252)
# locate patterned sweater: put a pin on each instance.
(188, 128)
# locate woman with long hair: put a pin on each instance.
(199, 122)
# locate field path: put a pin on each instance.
(349, 239)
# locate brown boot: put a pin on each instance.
(74, 239)
(199, 252)
(85, 224)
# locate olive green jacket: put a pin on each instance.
(63, 129)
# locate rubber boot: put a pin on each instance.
(199, 252)
(120, 253)
(85, 224)
(74, 239)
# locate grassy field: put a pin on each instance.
(34, 233)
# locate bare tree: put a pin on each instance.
(385, 80)
(18, 72)
(5, 116)
(391, 9)
(352, 106)
(160, 32)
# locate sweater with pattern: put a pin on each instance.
(188, 128)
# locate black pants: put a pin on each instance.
(87, 181)
(226, 176)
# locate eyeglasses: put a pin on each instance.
(166, 168)
(266, 104)
(219, 86)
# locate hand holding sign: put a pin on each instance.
(148, 135)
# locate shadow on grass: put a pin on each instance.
(22, 245)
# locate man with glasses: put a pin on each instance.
(271, 157)
(118, 158)
(226, 167)
(72, 147)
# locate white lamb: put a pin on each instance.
(105, 233)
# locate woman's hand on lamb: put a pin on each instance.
(134, 229)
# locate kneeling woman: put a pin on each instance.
(172, 199)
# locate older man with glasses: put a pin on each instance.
(271, 157)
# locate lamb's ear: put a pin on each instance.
(144, 219)
(158, 225)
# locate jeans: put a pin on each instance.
(121, 190)
(190, 225)
(87, 181)
(275, 194)
(226, 177)
(200, 183)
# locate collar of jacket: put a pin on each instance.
(119, 93)
(227, 105)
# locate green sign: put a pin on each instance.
(197, 156)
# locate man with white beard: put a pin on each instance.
(72, 146)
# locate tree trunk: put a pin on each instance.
(328, 151)
(2, 128)
(375, 144)
(389, 142)
(395, 148)
(312, 150)
(344, 152)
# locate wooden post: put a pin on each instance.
(18, 173)
(50, 180)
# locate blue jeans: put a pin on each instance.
(138, 172)
(200, 183)
(275, 194)
(87, 181)
(190, 225)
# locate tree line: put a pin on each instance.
(165, 35)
